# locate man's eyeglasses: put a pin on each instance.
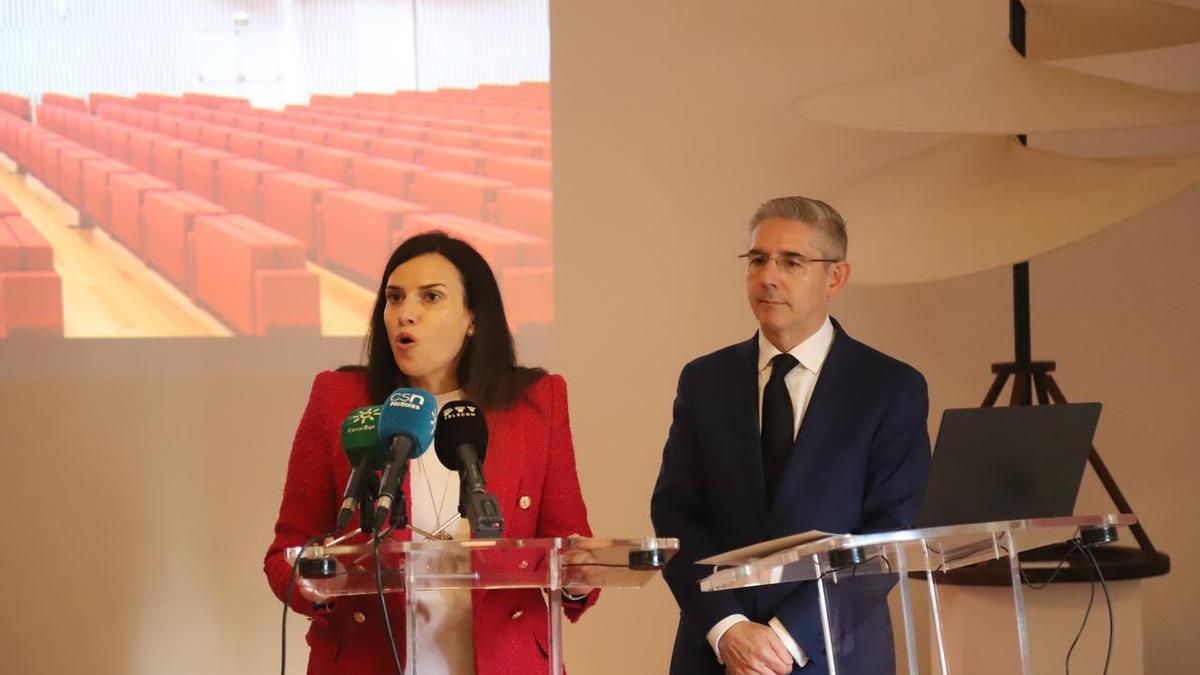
(788, 262)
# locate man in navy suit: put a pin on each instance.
(799, 428)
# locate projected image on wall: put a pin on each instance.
(255, 180)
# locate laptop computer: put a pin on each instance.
(1009, 463)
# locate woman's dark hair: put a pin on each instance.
(488, 370)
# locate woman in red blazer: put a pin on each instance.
(438, 324)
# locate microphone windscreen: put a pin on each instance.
(408, 412)
(360, 434)
(460, 423)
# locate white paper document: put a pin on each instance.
(748, 554)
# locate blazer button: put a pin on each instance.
(518, 614)
(359, 617)
(523, 564)
(525, 502)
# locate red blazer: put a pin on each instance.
(529, 455)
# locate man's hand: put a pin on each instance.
(749, 648)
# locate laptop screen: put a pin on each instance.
(1009, 463)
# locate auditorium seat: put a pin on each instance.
(349, 140)
(502, 248)
(283, 152)
(528, 295)
(310, 134)
(30, 290)
(534, 173)
(359, 230)
(239, 185)
(254, 278)
(404, 132)
(167, 156)
(215, 135)
(453, 139)
(403, 149)
(127, 196)
(246, 143)
(528, 210)
(329, 163)
(453, 192)
(291, 203)
(389, 177)
(198, 171)
(96, 176)
(463, 160)
(514, 147)
(169, 218)
(141, 150)
(70, 173)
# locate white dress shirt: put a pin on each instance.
(800, 382)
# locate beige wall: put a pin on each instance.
(670, 127)
(143, 480)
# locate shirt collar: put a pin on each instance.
(811, 353)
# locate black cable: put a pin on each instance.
(1086, 613)
(1075, 545)
(1108, 601)
(287, 601)
(387, 621)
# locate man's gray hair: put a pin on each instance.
(811, 211)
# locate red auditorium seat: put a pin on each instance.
(538, 118)
(453, 139)
(167, 156)
(460, 193)
(389, 177)
(223, 118)
(310, 134)
(399, 148)
(502, 248)
(239, 185)
(65, 101)
(127, 196)
(96, 176)
(248, 123)
(169, 125)
(291, 204)
(246, 144)
(141, 150)
(329, 163)
(368, 127)
(514, 147)
(188, 130)
(359, 229)
(254, 278)
(404, 132)
(518, 171)
(283, 152)
(198, 170)
(528, 295)
(276, 128)
(499, 131)
(349, 140)
(528, 210)
(70, 173)
(169, 218)
(51, 153)
(30, 289)
(215, 137)
(454, 159)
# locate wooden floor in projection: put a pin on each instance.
(108, 292)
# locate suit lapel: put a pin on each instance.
(812, 441)
(744, 377)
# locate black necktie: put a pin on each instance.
(778, 424)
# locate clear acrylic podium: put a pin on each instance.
(551, 565)
(839, 562)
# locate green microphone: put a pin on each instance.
(360, 441)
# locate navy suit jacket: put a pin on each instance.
(858, 465)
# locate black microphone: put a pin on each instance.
(405, 429)
(461, 444)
